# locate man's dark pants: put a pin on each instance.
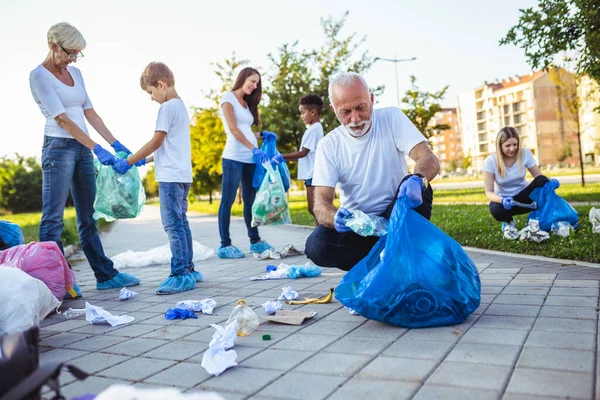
(328, 248)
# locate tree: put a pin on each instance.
(150, 184)
(567, 29)
(20, 184)
(422, 107)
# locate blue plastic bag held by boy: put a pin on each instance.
(269, 146)
(10, 235)
(118, 196)
(416, 276)
(551, 208)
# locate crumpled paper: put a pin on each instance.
(120, 391)
(533, 232)
(97, 315)
(511, 233)
(280, 272)
(562, 229)
(287, 293)
(217, 358)
(126, 294)
(595, 219)
(366, 225)
(205, 305)
(177, 313)
(279, 252)
(272, 306)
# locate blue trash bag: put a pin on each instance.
(10, 235)
(416, 276)
(551, 208)
(269, 146)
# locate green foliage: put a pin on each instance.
(150, 184)
(566, 28)
(422, 107)
(20, 184)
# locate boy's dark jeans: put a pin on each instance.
(327, 247)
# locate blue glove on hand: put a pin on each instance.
(555, 182)
(508, 203)
(140, 163)
(277, 159)
(104, 156)
(339, 223)
(267, 135)
(259, 155)
(117, 146)
(413, 188)
(121, 166)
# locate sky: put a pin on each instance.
(455, 43)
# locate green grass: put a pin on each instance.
(30, 224)
(570, 192)
(551, 174)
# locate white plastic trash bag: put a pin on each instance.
(25, 301)
(157, 255)
(132, 393)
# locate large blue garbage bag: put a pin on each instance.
(551, 208)
(416, 276)
(269, 146)
(10, 235)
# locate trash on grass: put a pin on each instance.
(272, 306)
(287, 293)
(126, 294)
(510, 232)
(532, 232)
(97, 315)
(291, 317)
(366, 225)
(321, 300)
(247, 321)
(157, 255)
(278, 253)
(562, 229)
(205, 305)
(595, 219)
(179, 313)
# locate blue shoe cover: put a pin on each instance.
(73, 293)
(230, 252)
(177, 284)
(259, 247)
(120, 280)
(197, 275)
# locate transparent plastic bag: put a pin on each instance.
(562, 229)
(366, 225)
(595, 219)
(247, 320)
(270, 206)
(118, 196)
(269, 146)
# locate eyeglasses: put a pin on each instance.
(73, 56)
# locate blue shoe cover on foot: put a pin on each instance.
(177, 284)
(120, 280)
(75, 293)
(259, 247)
(230, 252)
(197, 275)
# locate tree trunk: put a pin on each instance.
(580, 152)
(210, 199)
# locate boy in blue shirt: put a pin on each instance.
(173, 169)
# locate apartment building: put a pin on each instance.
(589, 93)
(446, 144)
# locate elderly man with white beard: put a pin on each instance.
(366, 158)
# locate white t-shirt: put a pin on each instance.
(368, 169)
(234, 150)
(514, 180)
(173, 159)
(310, 140)
(55, 98)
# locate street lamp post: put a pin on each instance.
(395, 61)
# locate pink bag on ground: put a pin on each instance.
(44, 261)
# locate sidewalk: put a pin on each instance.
(534, 336)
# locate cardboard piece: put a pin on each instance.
(291, 317)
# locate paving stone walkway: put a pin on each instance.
(535, 335)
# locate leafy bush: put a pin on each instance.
(20, 184)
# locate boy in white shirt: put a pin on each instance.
(310, 113)
(172, 156)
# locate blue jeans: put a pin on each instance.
(68, 165)
(233, 173)
(173, 198)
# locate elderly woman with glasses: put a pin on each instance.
(67, 161)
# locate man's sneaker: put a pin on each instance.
(259, 247)
(230, 252)
(509, 230)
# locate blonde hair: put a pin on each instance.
(66, 35)
(508, 132)
(154, 72)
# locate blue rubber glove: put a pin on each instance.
(555, 182)
(104, 156)
(140, 163)
(508, 203)
(277, 159)
(413, 189)
(267, 135)
(122, 166)
(117, 146)
(260, 155)
(339, 223)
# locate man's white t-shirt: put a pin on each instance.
(55, 98)
(514, 180)
(173, 159)
(369, 169)
(310, 140)
(234, 150)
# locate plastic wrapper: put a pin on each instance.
(156, 256)
(118, 196)
(10, 235)
(279, 252)
(595, 219)
(205, 305)
(44, 261)
(270, 205)
(365, 225)
(533, 233)
(25, 300)
(424, 278)
(551, 208)
(307, 271)
(97, 315)
(269, 146)
(510, 232)
(562, 229)
(247, 320)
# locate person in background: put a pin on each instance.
(67, 161)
